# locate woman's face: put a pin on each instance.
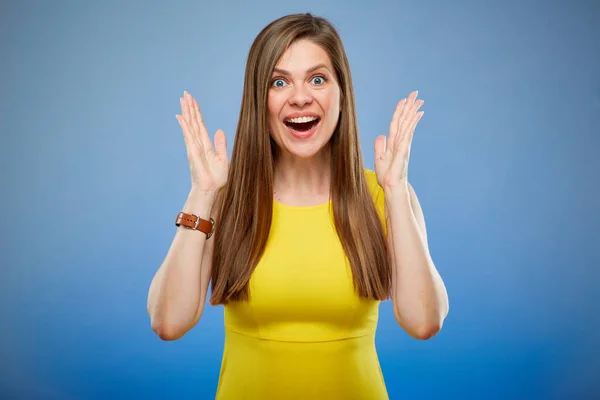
(304, 100)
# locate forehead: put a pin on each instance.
(303, 55)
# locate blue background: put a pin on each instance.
(505, 163)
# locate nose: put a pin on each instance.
(300, 96)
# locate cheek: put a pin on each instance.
(273, 111)
(333, 106)
(271, 106)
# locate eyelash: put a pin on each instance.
(313, 77)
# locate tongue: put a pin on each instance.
(302, 126)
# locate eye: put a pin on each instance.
(318, 80)
(278, 83)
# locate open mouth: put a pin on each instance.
(302, 124)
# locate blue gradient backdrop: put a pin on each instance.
(505, 162)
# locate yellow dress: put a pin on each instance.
(304, 333)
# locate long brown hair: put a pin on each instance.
(245, 203)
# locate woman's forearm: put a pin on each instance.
(418, 292)
(178, 290)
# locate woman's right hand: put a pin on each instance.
(208, 165)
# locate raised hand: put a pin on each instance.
(208, 165)
(391, 156)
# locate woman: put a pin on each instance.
(306, 241)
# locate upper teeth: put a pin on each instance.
(301, 119)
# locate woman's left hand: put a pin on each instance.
(391, 156)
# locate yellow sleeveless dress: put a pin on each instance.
(304, 334)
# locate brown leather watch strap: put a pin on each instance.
(192, 221)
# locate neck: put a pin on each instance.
(303, 176)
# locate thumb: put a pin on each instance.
(221, 143)
(380, 146)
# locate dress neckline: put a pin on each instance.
(300, 208)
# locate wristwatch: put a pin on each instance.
(192, 221)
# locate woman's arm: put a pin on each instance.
(418, 293)
(177, 294)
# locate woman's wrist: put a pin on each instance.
(199, 202)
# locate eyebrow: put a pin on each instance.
(308, 71)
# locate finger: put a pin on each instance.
(221, 144)
(192, 118)
(410, 101)
(205, 146)
(408, 119)
(185, 109)
(416, 120)
(202, 131)
(187, 121)
(414, 95)
(187, 135)
(403, 115)
(413, 125)
(394, 123)
(411, 113)
(380, 144)
(193, 115)
(192, 140)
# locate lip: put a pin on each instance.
(301, 114)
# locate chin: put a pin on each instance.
(304, 153)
